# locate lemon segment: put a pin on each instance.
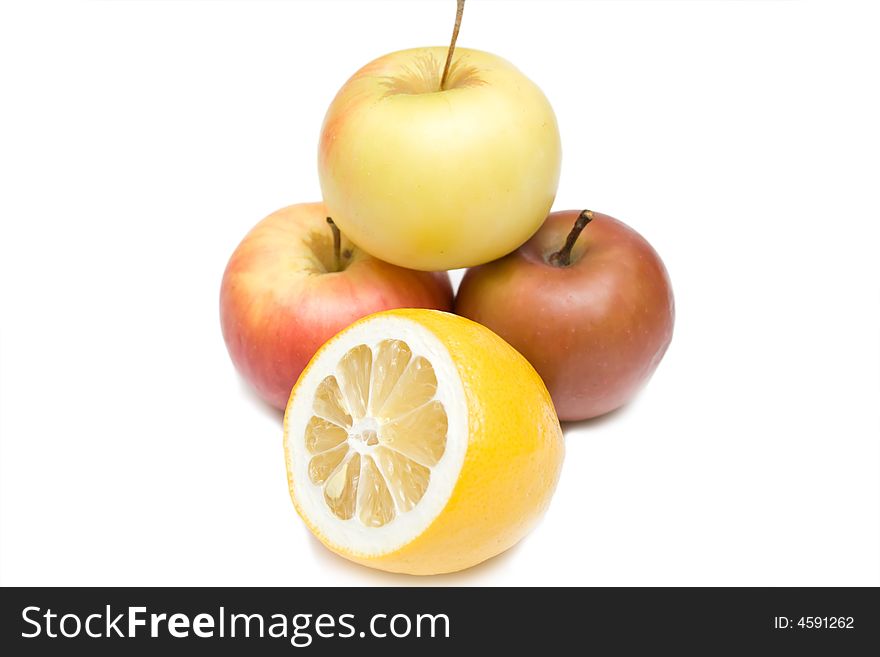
(419, 435)
(329, 405)
(375, 506)
(392, 357)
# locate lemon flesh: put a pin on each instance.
(373, 446)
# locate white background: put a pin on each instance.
(139, 141)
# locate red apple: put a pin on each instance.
(290, 286)
(592, 312)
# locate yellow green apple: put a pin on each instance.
(431, 178)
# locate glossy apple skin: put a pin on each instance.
(278, 302)
(433, 179)
(596, 330)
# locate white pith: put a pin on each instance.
(353, 535)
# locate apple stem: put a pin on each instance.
(459, 12)
(337, 244)
(562, 258)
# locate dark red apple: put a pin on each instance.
(587, 301)
(294, 282)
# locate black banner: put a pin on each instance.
(117, 621)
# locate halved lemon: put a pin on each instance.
(418, 441)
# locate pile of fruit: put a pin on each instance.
(422, 430)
